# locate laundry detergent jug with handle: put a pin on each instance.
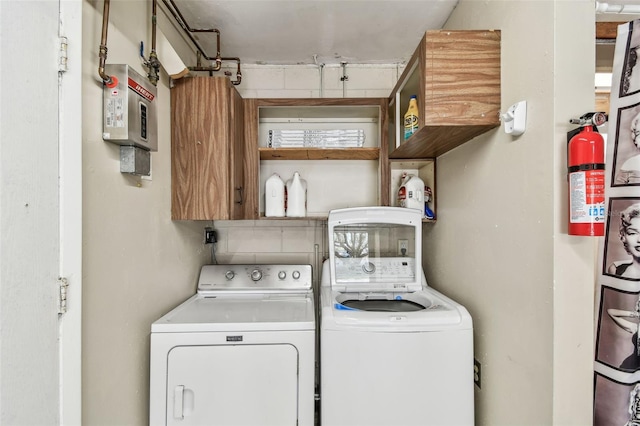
(411, 193)
(296, 196)
(274, 197)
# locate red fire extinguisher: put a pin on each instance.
(585, 166)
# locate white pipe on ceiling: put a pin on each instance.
(633, 9)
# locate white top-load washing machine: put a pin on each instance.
(241, 351)
(393, 350)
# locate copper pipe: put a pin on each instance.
(154, 8)
(235, 82)
(210, 69)
(238, 72)
(153, 63)
(173, 9)
(103, 45)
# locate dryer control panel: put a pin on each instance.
(255, 277)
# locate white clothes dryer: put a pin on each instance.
(393, 350)
(241, 351)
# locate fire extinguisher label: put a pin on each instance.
(586, 196)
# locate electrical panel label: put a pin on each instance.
(114, 112)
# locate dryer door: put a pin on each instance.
(232, 385)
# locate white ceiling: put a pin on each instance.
(310, 31)
(322, 31)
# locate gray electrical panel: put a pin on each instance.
(130, 116)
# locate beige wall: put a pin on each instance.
(501, 207)
(137, 263)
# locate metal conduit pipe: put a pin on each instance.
(103, 46)
(320, 69)
(153, 63)
(344, 78)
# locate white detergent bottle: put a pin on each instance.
(296, 196)
(274, 197)
(411, 193)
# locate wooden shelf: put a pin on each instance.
(308, 217)
(433, 141)
(321, 217)
(366, 168)
(319, 153)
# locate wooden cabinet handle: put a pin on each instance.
(240, 195)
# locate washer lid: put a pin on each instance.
(270, 312)
(375, 249)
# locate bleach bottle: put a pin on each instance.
(296, 196)
(411, 192)
(274, 197)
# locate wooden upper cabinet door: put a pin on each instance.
(237, 139)
(202, 186)
(251, 160)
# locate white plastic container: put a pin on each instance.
(296, 196)
(411, 193)
(274, 197)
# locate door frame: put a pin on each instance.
(70, 175)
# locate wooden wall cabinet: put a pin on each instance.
(333, 175)
(221, 158)
(207, 148)
(456, 78)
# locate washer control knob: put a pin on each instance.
(229, 274)
(295, 275)
(368, 267)
(282, 275)
(256, 275)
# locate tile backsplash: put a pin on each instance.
(272, 241)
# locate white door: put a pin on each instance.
(38, 244)
(233, 385)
